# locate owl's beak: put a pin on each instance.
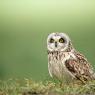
(55, 44)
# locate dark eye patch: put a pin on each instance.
(51, 40)
(61, 40)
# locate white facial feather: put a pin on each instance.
(56, 37)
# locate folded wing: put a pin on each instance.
(80, 68)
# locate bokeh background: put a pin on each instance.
(25, 24)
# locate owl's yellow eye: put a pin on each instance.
(51, 40)
(61, 40)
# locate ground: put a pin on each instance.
(30, 87)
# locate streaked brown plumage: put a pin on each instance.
(64, 62)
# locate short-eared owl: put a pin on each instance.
(64, 62)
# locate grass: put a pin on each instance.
(30, 87)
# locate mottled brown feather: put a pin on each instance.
(80, 67)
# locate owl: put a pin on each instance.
(64, 62)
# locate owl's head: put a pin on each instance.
(57, 42)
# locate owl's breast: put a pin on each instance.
(56, 66)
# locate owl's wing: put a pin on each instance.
(80, 67)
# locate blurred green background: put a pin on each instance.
(25, 24)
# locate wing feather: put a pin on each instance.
(80, 67)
